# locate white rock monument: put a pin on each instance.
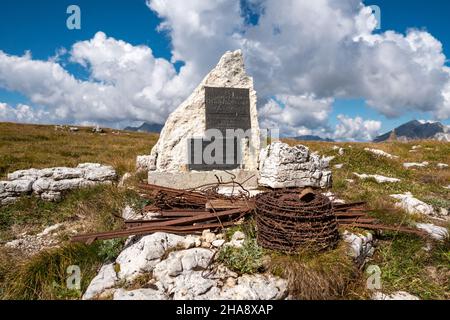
(225, 100)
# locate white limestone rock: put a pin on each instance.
(147, 163)
(105, 279)
(237, 240)
(378, 178)
(29, 174)
(208, 236)
(124, 179)
(399, 295)
(191, 241)
(237, 191)
(48, 183)
(218, 243)
(436, 232)
(412, 205)
(8, 200)
(442, 165)
(97, 172)
(326, 160)
(188, 120)
(330, 195)
(360, 246)
(180, 274)
(143, 255)
(128, 213)
(442, 136)
(252, 287)
(408, 165)
(443, 212)
(62, 173)
(139, 294)
(51, 196)
(50, 230)
(381, 153)
(18, 186)
(282, 166)
(31, 244)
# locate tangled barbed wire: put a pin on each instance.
(286, 223)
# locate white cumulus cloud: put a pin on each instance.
(356, 129)
(323, 48)
(302, 54)
(21, 113)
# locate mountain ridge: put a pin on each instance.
(146, 127)
(417, 130)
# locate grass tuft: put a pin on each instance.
(44, 275)
(313, 276)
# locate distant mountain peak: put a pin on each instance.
(417, 130)
(312, 138)
(146, 127)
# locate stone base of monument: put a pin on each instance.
(193, 179)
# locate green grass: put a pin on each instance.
(313, 276)
(96, 209)
(85, 210)
(404, 264)
(24, 146)
(41, 276)
(45, 275)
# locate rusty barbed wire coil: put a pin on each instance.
(285, 223)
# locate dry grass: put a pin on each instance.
(86, 210)
(24, 146)
(313, 276)
(44, 276)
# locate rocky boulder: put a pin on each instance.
(179, 271)
(360, 246)
(282, 166)
(50, 182)
(412, 205)
(436, 232)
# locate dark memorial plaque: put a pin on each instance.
(227, 108)
(229, 159)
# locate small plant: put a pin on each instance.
(110, 249)
(248, 259)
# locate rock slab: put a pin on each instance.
(282, 166)
(50, 182)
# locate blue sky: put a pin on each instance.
(400, 15)
(39, 27)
